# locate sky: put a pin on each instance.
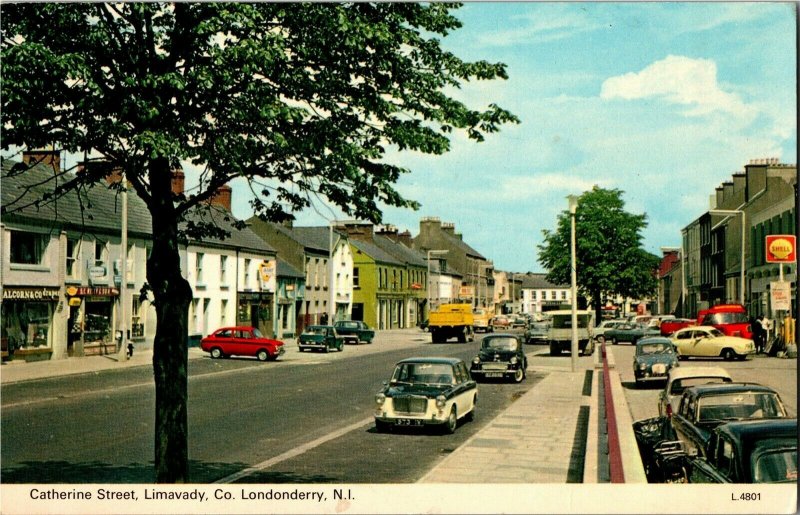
(664, 101)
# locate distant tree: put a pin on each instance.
(301, 100)
(609, 254)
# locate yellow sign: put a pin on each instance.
(74, 301)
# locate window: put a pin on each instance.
(28, 248)
(533, 294)
(73, 258)
(193, 315)
(99, 252)
(564, 295)
(325, 275)
(198, 268)
(223, 311)
(223, 270)
(356, 278)
(137, 318)
(246, 273)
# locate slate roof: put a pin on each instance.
(399, 251)
(538, 282)
(317, 238)
(287, 270)
(376, 252)
(462, 245)
(102, 209)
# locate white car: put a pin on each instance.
(709, 342)
(684, 377)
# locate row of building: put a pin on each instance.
(723, 256)
(64, 272)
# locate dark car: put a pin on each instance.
(755, 451)
(702, 408)
(426, 391)
(320, 337)
(653, 359)
(354, 331)
(241, 341)
(628, 333)
(500, 355)
(537, 332)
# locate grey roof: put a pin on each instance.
(538, 282)
(101, 210)
(461, 244)
(375, 252)
(317, 238)
(399, 251)
(287, 270)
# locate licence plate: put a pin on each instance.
(659, 369)
(408, 422)
(494, 374)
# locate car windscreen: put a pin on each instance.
(776, 466)
(679, 385)
(502, 344)
(427, 373)
(649, 349)
(725, 318)
(316, 330)
(347, 325)
(740, 406)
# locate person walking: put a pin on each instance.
(757, 329)
(324, 318)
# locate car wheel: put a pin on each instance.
(262, 355)
(554, 350)
(452, 422)
(216, 353)
(519, 375)
(340, 347)
(613, 341)
(382, 427)
(327, 349)
(728, 354)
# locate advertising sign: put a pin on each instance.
(781, 248)
(267, 275)
(781, 296)
(466, 292)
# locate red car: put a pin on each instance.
(241, 341)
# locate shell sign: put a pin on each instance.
(781, 248)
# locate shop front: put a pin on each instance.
(256, 309)
(91, 316)
(27, 322)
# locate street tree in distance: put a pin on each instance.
(301, 100)
(609, 254)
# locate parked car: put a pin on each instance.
(702, 408)
(501, 322)
(426, 391)
(500, 355)
(242, 341)
(754, 451)
(518, 322)
(628, 332)
(320, 337)
(653, 359)
(604, 326)
(537, 332)
(668, 327)
(354, 331)
(708, 342)
(680, 379)
(481, 320)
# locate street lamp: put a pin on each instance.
(332, 286)
(744, 232)
(122, 354)
(431, 253)
(573, 207)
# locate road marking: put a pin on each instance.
(297, 451)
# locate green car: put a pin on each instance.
(320, 337)
(354, 331)
(628, 333)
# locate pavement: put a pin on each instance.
(540, 438)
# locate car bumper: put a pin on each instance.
(507, 371)
(310, 345)
(431, 416)
(350, 340)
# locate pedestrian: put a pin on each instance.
(757, 330)
(324, 318)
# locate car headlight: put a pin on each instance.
(441, 401)
(380, 399)
(476, 360)
(513, 360)
(642, 366)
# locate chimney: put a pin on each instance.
(114, 176)
(361, 232)
(449, 228)
(222, 197)
(51, 158)
(397, 237)
(178, 181)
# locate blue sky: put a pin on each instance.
(661, 100)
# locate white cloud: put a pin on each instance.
(678, 80)
(556, 23)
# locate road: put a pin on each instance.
(780, 374)
(306, 418)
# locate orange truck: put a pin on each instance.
(451, 321)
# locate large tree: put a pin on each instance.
(301, 100)
(610, 259)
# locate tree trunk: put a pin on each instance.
(170, 350)
(597, 304)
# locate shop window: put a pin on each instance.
(97, 322)
(28, 248)
(26, 325)
(137, 318)
(223, 270)
(73, 258)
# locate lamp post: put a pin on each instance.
(573, 207)
(439, 252)
(744, 232)
(122, 354)
(332, 274)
